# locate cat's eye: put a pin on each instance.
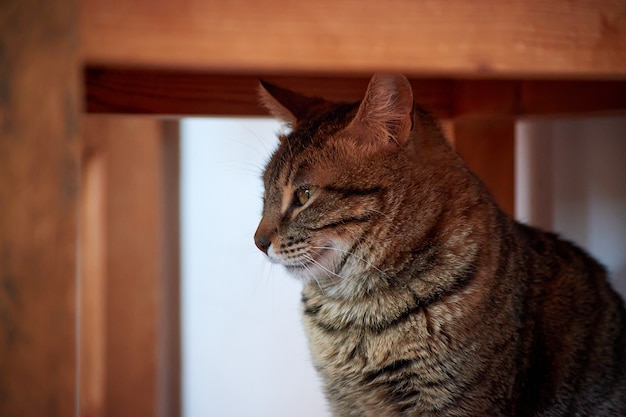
(303, 194)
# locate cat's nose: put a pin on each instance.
(262, 242)
(263, 235)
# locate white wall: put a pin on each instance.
(244, 350)
(571, 179)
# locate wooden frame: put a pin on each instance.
(182, 93)
(40, 96)
(480, 64)
(130, 275)
(515, 39)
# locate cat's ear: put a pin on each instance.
(385, 116)
(286, 105)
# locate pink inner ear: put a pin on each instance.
(386, 113)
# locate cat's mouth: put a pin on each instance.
(313, 265)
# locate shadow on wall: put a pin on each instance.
(571, 179)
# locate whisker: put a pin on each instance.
(260, 140)
(343, 279)
(307, 267)
(368, 263)
(378, 212)
(289, 148)
(312, 260)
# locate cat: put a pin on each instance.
(420, 296)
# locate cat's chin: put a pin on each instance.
(307, 273)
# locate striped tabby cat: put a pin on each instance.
(421, 297)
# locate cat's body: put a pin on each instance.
(421, 298)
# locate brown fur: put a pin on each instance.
(421, 298)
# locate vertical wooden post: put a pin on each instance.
(93, 275)
(39, 188)
(488, 147)
(169, 388)
(133, 247)
(140, 296)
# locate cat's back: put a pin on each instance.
(575, 328)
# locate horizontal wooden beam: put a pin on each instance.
(573, 97)
(480, 38)
(158, 92)
(189, 93)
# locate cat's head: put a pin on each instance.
(329, 197)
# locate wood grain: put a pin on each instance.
(39, 187)
(179, 93)
(159, 92)
(519, 38)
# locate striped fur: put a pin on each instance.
(420, 297)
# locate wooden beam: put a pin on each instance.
(39, 188)
(531, 38)
(569, 97)
(159, 92)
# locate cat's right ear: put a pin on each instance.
(385, 116)
(285, 105)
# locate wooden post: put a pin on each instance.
(488, 147)
(169, 354)
(93, 276)
(134, 176)
(39, 187)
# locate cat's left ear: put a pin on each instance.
(287, 106)
(385, 116)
